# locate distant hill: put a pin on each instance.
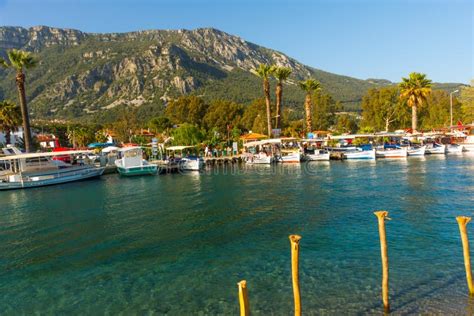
(87, 74)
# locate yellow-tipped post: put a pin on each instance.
(243, 298)
(462, 222)
(381, 215)
(295, 250)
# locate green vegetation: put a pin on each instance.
(20, 60)
(281, 74)
(264, 71)
(467, 99)
(10, 118)
(415, 90)
(309, 86)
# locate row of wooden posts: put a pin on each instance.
(381, 216)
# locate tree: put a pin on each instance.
(415, 89)
(281, 74)
(346, 123)
(186, 109)
(223, 115)
(309, 86)
(382, 108)
(160, 124)
(264, 71)
(467, 99)
(20, 60)
(10, 118)
(187, 134)
(254, 117)
(324, 110)
(80, 136)
(436, 113)
(126, 124)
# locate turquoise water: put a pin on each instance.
(178, 244)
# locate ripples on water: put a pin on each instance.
(178, 244)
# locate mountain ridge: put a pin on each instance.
(81, 74)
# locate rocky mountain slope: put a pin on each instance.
(85, 74)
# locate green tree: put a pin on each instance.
(10, 118)
(467, 99)
(186, 109)
(264, 71)
(309, 86)
(415, 89)
(187, 134)
(100, 136)
(324, 111)
(20, 61)
(126, 125)
(223, 115)
(254, 117)
(346, 123)
(281, 74)
(382, 108)
(160, 124)
(80, 136)
(436, 113)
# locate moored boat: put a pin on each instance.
(416, 151)
(290, 156)
(186, 162)
(359, 154)
(391, 153)
(436, 149)
(316, 155)
(454, 149)
(132, 163)
(31, 170)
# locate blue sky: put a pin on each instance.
(359, 38)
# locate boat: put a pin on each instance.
(391, 152)
(185, 162)
(454, 149)
(290, 156)
(316, 155)
(416, 151)
(132, 163)
(435, 148)
(359, 154)
(258, 159)
(20, 171)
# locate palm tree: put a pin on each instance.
(415, 89)
(10, 118)
(281, 74)
(21, 60)
(264, 71)
(309, 86)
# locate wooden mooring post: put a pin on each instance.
(462, 222)
(381, 215)
(295, 250)
(243, 298)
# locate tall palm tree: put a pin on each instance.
(10, 118)
(309, 86)
(20, 60)
(281, 74)
(415, 89)
(264, 71)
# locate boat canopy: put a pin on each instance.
(263, 142)
(124, 149)
(48, 154)
(109, 149)
(177, 148)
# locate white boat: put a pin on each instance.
(185, 162)
(391, 153)
(454, 149)
(316, 155)
(132, 163)
(359, 154)
(290, 156)
(31, 170)
(416, 151)
(258, 159)
(436, 149)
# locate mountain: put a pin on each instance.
(88, 74)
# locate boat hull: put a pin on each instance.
(360, 155)
(438, 150)
(186, 164)
(394, 153)
(417, 151)
(137, 171)
(317, 157)
(45, 180)
(290, 158)
(454, 149)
